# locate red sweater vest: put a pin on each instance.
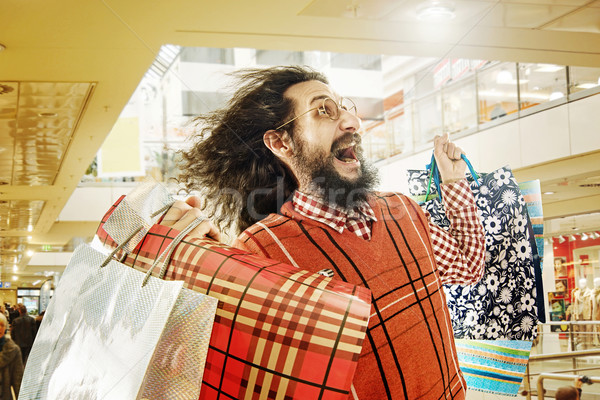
(409, 350)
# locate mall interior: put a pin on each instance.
(97, 96)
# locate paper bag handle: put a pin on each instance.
(166, 254)
(434, 175)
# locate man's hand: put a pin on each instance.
(447, 157)
(182, 213)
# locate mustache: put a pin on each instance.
(345, 140)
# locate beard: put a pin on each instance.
(317, 168)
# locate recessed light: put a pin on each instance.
(550, 192)
(588, 85)
(29, 253)
(548, 68)
(14, 278)
(435, 11)
(15, 268)
(47, 115)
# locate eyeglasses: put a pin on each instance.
(330, 109)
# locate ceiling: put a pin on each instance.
(69, 67)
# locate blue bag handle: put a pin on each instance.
(435, 175)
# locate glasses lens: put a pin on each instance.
(348, 105)
(331, 108)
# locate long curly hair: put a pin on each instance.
(240, 180)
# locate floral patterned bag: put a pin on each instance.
(503, 304)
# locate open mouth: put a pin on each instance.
(346, 154)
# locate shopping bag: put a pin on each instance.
(280, 332)
(503, 304)
(493, 366)
(103, 335)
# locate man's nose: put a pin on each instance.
(349, 122)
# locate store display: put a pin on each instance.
(503, 304)
(100, 333)
(493, 366)
(279, 332)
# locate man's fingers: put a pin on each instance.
(206, 228)
(174, 214)
(453, 151)
(187, 219)
(194, 201)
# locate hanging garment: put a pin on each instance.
(532, 194)
(279, 332)
(493, 366)
(503, 304)
(101, 332)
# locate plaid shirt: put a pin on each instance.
(357, 221)
(459, 252)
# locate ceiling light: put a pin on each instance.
(29, 253)
(14, 278)
(588, 85)
(15, 268)
(435, 11)
(36, 282)
(504, 77)
(548, 68)
(48, 115)
(549, 192)
(29, 228)
(555, 96)
(572, 238)
(595, 235)
(584, 236)
(561, 239)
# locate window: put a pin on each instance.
(279, 57)
(582, 78)
(460, 106)
(400, 129)
(497, 92)
(541, 83)
(207, 55)
(428, 118)
(356, 61)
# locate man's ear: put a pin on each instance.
(279, 143)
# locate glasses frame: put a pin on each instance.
(323, 111)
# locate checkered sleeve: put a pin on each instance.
(459, 251)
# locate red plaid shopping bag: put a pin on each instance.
(279, 332)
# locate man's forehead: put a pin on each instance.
(305, 92)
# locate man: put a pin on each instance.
(283, 164)
(11, 365)
(23, 331)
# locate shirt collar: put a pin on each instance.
(331, 215)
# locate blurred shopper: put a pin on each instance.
(13, 313)
(11, 365)
(570, 392)
(23, 331)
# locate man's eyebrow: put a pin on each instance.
(319, 97)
